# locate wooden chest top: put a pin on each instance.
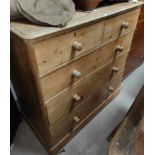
(29, 31)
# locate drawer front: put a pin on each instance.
(120, 25)
(70, 121)
(68, 75)
(61, 49)
(69, 100)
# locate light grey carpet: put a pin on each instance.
(92, 139)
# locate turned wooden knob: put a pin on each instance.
(119, 48)
(76, 119)
(76, 73)
(111, 89)
(77, 98)
(125, 25)
(115, 69)
(77, 46)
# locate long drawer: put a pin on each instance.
(56, 51)
(68, 122)
(120, 25)
(67, 76)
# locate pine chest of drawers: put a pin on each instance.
(64, 76)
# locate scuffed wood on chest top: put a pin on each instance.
(64, 76)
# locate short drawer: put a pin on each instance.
(120, 25)
(67, 76)
(68, 122)
(73, 97)
(61, 49)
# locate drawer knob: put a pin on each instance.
(111, 89)
(76, 73)
(125, 25)
(77, 46)
(76, 119)
(77, 98)
(115, 69)
(119, 48)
